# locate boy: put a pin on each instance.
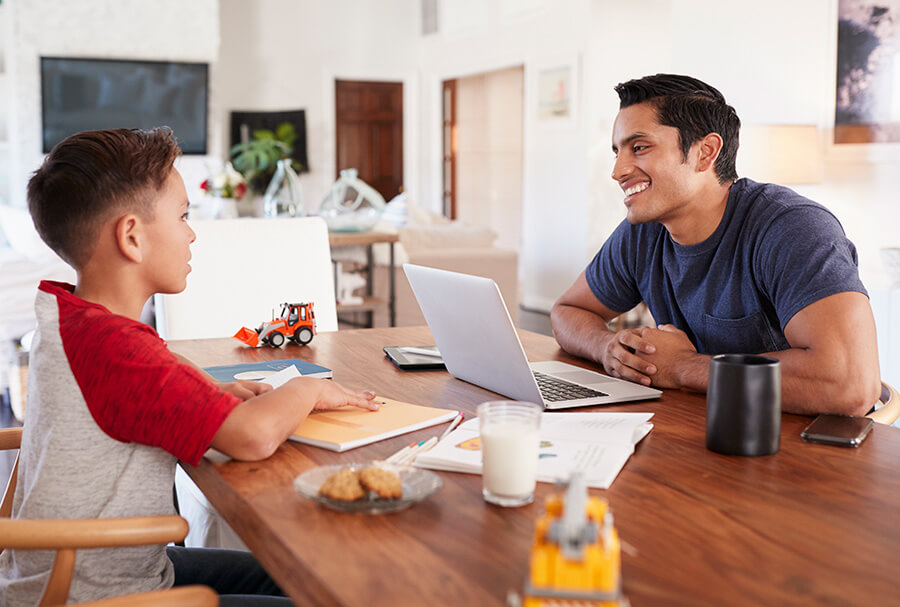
(110, 409)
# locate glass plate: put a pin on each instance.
(417, 485)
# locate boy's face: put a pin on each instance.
(168, 238)
(650, 168)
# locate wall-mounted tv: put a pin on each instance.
(86, 94)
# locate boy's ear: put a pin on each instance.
(129, 235)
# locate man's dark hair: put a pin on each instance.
(89, 177)
(693, 107)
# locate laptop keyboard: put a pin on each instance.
(554, 390)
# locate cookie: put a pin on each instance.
(343, 485)
(383, 482)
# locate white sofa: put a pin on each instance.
(24, 262)
(453, 247)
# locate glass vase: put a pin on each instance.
(284, 196)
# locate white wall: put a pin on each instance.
(125, 29)
(286, 54)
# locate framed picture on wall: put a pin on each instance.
(867, 102)
(555, 92)
(243, 123)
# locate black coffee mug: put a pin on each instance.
(743, 405)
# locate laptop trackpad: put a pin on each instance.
(583, 377)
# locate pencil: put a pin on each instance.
(396, 456)
(410, 456)
(456, 421)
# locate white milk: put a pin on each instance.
(509, 454)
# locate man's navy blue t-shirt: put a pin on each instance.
(774, 253)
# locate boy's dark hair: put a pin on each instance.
(693, 107)
(88, 177)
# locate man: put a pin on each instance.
(726, 265)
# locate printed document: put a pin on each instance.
(597, 444)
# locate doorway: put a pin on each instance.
(482, 152)
(369, 132)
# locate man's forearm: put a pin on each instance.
(692, 372)
(580, 332)
(808, 386)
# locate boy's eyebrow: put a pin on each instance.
(629, 139)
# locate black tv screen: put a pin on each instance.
(86, 94)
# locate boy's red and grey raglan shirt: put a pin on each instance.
(109, 412)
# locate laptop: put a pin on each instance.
(479, 344)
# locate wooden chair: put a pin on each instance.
(890, 409)
(67, 536)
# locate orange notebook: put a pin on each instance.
(343, 429)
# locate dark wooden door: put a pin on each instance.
(449, 147)
(369, 132)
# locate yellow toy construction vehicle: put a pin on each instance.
(297, 322)
(575, 556)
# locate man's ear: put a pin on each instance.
(708, 150)
(129, 235)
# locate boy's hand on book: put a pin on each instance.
(245, 390)
(334, 396)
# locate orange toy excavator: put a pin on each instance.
(297, 322)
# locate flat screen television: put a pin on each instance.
(85, 94)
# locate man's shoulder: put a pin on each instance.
(764, 206)
(768, 199)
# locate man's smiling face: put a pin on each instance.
(650, 168)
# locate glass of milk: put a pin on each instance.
(510, 436)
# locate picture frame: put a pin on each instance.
(243, 123)
(867, 86)
(555, 93)
(556, 90)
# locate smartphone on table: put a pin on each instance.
(415, 358)
(841, 430)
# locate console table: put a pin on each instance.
(370, 302)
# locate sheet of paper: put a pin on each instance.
(593, 427)
(282, 377)
(597, 444)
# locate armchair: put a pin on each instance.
(67, 536)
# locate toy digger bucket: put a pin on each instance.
(248, 336)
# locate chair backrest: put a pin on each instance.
(67, 536)
(242, 269)
(10, 438)
(889, 411)
(180, 596)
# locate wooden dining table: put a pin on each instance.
(812, 524)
